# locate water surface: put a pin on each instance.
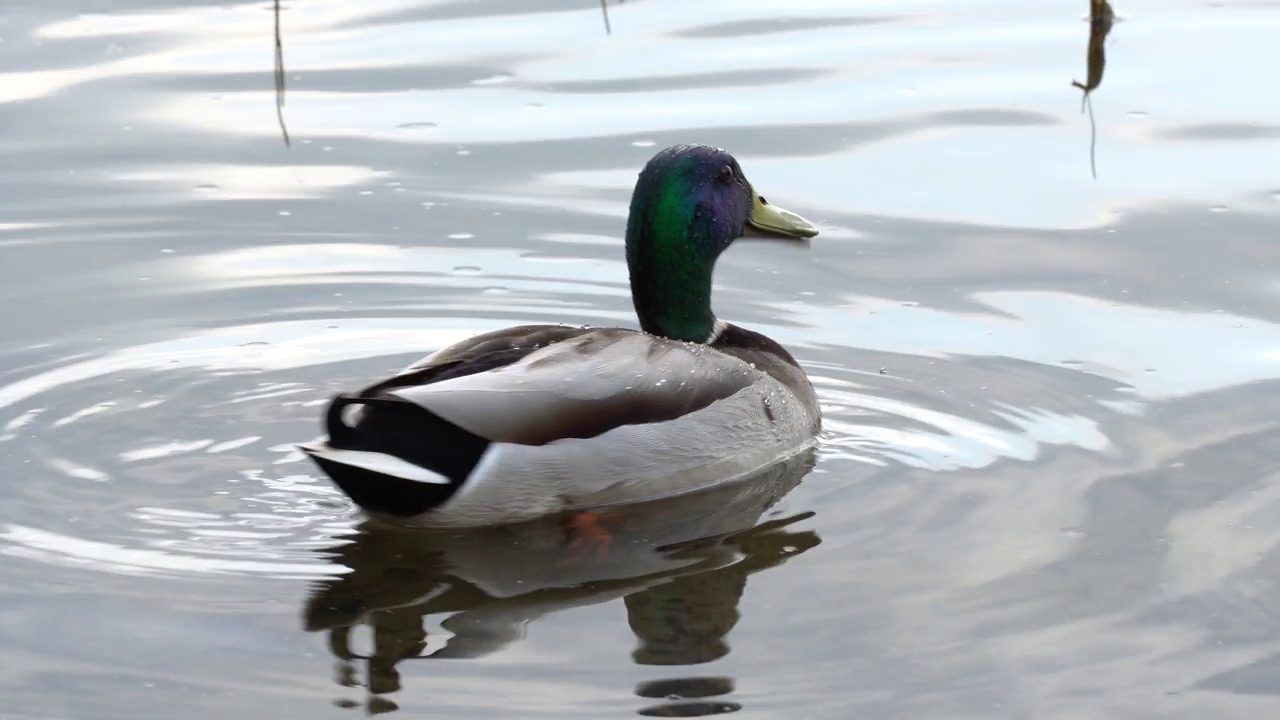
(1047, 484)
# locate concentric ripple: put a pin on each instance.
(178, 457)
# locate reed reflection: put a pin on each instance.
(1101, 18)
(280, 78)
(680, 567)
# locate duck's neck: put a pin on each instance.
(671, 266)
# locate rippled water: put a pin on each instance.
(1048, 483)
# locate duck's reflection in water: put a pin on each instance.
(679, 564)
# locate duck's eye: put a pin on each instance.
(725, 175)
(762, 200)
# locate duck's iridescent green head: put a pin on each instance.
(690, 203)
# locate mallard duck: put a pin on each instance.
(539, 419)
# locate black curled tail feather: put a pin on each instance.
(402, 429)
(406, 430)
(341, 435)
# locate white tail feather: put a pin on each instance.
(379, 463)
